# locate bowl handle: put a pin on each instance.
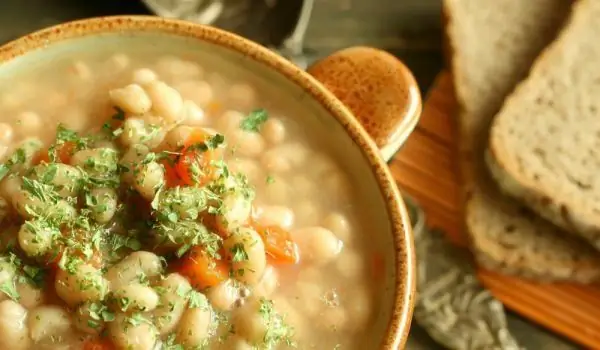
(378, 88)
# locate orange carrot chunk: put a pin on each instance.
(279, 245)
(193, 166)
(64, 153)
(201, 269)
(98, 344)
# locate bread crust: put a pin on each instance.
(504, 236)
(543, 139)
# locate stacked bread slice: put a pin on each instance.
(494, 45)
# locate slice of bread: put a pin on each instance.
(494, 42)
(545, 141)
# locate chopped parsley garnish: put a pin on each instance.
(197, 300)
(19, 156)
(238, 253)
(254, 120)
(277, 330)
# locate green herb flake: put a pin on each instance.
(238, 253)
(197, 300)
(254, 120)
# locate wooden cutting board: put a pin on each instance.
(426, 169)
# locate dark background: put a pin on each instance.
(411, 29)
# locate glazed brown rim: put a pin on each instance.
(398, 328)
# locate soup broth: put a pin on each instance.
(167, 201)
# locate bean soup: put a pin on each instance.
(153, 201)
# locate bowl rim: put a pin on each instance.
(404, 290)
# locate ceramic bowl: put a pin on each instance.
(376, 107)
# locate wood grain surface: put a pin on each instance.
(425, 168)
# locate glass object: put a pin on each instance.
(203, 11)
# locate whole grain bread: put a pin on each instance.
(545, 142)
(494, 43)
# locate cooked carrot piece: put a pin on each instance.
(211, 222)
(279, 245)
(172, 178)
(64, 153)
(98, 344)
(201, 269)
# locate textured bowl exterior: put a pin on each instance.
(399, 325)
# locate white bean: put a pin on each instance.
(338, 185)
(3, 151)
(333, 319)
(277, 191)
(242, 96)
(84, 284)
(224, 295)
(75, 118)
(36, 237)
(132, 99)
(249, 144)
(308, 212)
(338, 224)
(176, 137)
(103, 204)
(149, 178)
(5, 209)
(13, 326)
(350, 265)
(307, 297)
(29, 122)
(172, 68)
(249, 323)
(246, 251)
(134, 155)
(173, 300)
(136, 296)
(88, 318)
(192, 114)
(249, 168)
(118, 61)
(195, 327)
(81, 71)
(234, 342)
(29, 147)
(29, 206)
(138, 131)
(48, 321)
(134, 265)
(317, 245)
(274, 162)
(293, 317)
(268, 283)
(273, 131)
(274, 215)
(126, 335)
(64, 178)
(236, 209)
(359, 305)
(144, 76)
(10, 186)
(166, 101)
(229, 121)
(97, 161)
(199, 92)
(55, 100)
(303, 184)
